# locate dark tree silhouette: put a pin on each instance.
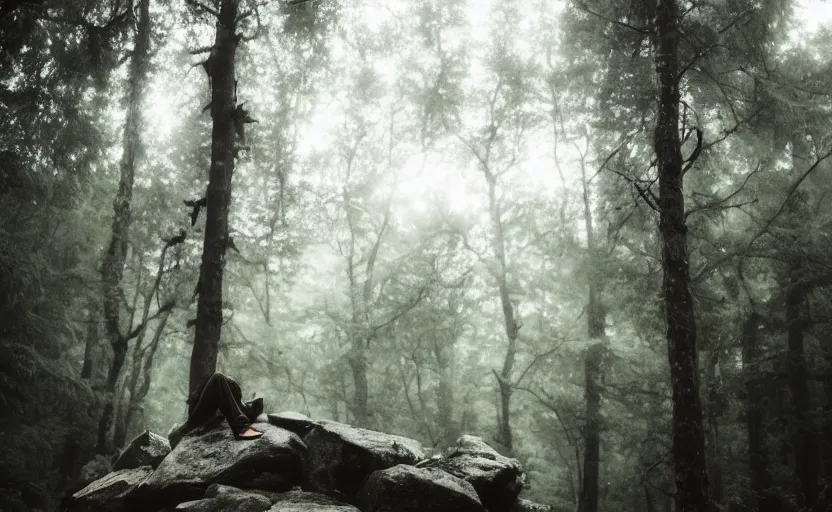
(688, 434)
(224, 113)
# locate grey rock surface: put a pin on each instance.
(295, 422)
(410, 489)
(342, 457)
(109, 492)
(300, 501)
(497, 479)
(224, 498)
(241, 503)
(211, 455)
(146, 449)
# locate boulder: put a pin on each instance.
(341, 457)
(300, 501)
(211, 455)
(498, 480)
(223, 498)
(220, 491)
(146, 449)
(248, 503)
(295, 422)
(410, 489)
(108, 493)
(522, 505)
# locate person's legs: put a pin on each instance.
(219, 394)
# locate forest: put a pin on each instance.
(595, 233)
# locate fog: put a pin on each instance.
(594, 234)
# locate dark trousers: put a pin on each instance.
(223, 394)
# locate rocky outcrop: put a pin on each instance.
(339, 467)
(222, 498)
(300, 501)
(109, 492)
(146, 449)
(498, 480)
(212, 455)
(410, 489)
(341, 457)
(295, 422)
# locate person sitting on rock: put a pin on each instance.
(223, 394)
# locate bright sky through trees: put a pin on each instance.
(422, 184)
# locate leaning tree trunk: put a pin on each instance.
(688, 436)
(224, 111)
(758, 459)
(112, 266)
(593, 369)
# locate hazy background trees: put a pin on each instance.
(450, 216)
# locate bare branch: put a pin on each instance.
(718, 204)
(535, 360)
(652, 201)
(607, 160)
(723, 207)
(696, 151)
(788, 196)
(705, 51)
(167, 307)
(196, 4)
(733, 129)
(202, 49)
(256, 12)
(587, 10)
(708, 269)
(420, 295)
(549, 404)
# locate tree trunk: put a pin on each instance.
(444, 353)
(91, 342)
(358, 364)
(688, 436)
(593, 368)
(510, 323)
(141, 373)
(805, 441)
(713, 412)
(758, 460)
(224, 111)
(112, 267)
(826, 449)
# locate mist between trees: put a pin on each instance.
(595, 233)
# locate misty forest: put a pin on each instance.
(595, 234)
